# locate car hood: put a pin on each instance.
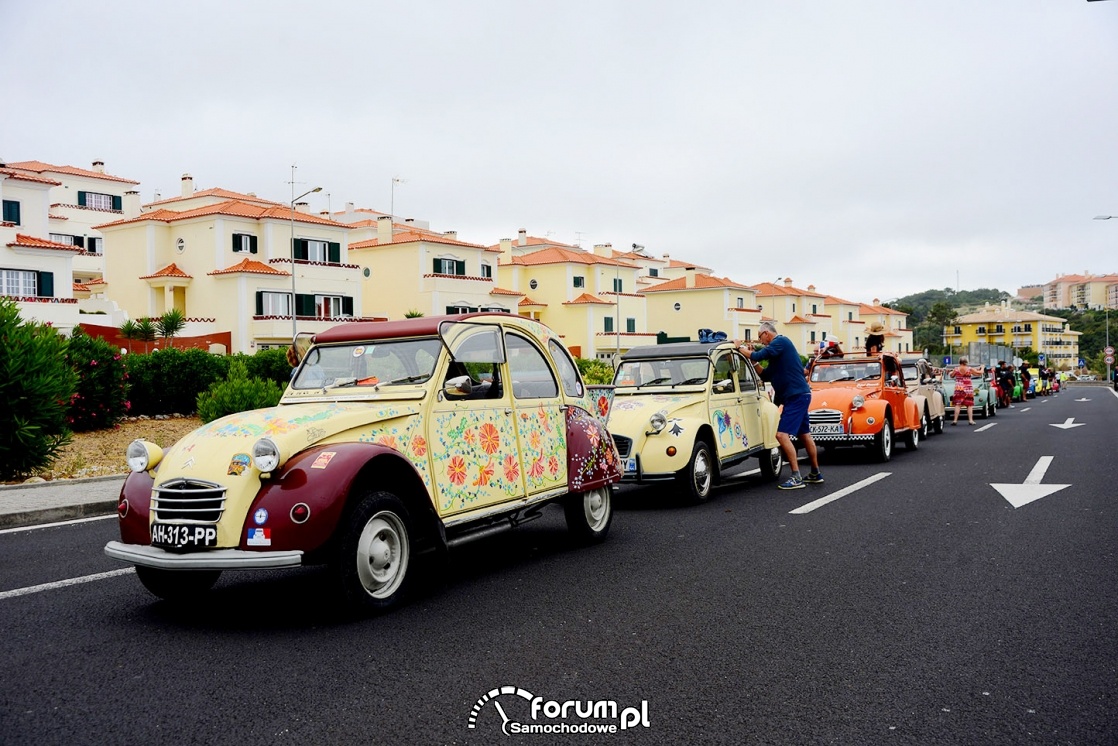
(840, 397)
(629, 414)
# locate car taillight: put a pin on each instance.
(122, 508)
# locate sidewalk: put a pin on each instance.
(45, 502)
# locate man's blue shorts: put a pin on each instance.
(793, 419)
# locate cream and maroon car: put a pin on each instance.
(393, 439)
(864, 401)
(688, 412)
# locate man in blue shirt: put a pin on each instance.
(786, 374)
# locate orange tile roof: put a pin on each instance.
(745, 310)
(833, 299)
(555, 255)
(233, 208)
(635, 255)
(702, 282)
(40, 167)
(80, 288)
(526, 301)
(28, 177)
(502, 291)
(797, 319)
(249, 265)
(30, 242)
(676, 264)
(226, 194)
(587, 298)
(413, 236)
(766, 289)
(536, 241)
(98, 281)
(171, 270)
(872, 309)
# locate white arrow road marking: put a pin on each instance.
(841, 493)
(63, 583)
(1083, 400)
(1023, 494)
(987, 426)
(1068, 424)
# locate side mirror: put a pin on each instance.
(458, 386)
(724, 387)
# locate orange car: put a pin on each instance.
(864, 401)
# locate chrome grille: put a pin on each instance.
(825, 417)
(188, 500)
(624, 445)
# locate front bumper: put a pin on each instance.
(212, 559)
(843, 437)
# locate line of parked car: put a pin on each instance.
(397, 441)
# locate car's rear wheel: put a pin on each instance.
(883, 443)
(937, 424)
(698, 476)
(373, 561)
(589, 514)
(772, 461)
(177, 586)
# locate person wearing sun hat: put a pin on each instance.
(875, 338)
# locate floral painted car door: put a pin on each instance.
(539, 413)
(750, 393)
(475, 458)
(725, 410)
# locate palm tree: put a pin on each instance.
(129, 330)
(145, 331)
(170, 324)
(413, 314)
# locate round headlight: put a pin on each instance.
(858, 402)
(142, 455)
(658, 421)
(265, 455)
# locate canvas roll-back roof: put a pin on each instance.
(424, 326)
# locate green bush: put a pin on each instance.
(237, 393)
(594, 372)
(36, 384)
(101, 399)
(271, 365)
(169, 381)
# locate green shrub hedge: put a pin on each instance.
(169, 381)
(100, 400)
(237, 393)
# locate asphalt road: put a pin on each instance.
(921, 608)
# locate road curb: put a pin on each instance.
(57, 482)
(50, 515)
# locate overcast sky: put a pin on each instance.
(871, 148)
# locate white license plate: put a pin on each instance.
(826, 429)
(178, 536)
(630, 465)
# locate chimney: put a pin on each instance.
(603, 249)
(99, 166)
(250, 194)
(187, 185)
(452, 235)
(877, 301)
(384, 229)
(409, 221)
(303, 207)
(522, 237)
(689, 277)
(349, 207)
(506, 249)
(131, 204)
(788, 284)
(811, 288)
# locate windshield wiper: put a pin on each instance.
(405, 379)
(690, 382)
(655, 381)
(341, 383)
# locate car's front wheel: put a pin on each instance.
(177, 586)
(373, 561)
(912, 437)
(589, 514)
(883, 443)
(698, 476)
(772, 461)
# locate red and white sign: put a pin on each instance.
(1109, 350)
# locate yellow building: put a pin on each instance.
(1084, 291)
(680, 307)
(898, 337)
(1003, 325)
(226, 262)
(801, 315)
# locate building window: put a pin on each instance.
(94, 245)
(999, 329)
(813, 308)
(245, 243)
(63, 238)
(99, 201)
(328, 306)
(849, 315)
(580, 282)
(1028, 327)
(748, 334)
(958, 330)
(653, 272)
(459, 309)
(26, 283)
(273, 304)
(329, 252)
(741, 302)
(631, 326)
(487, 271)
(618, 285)
(813, 336)
(450, 267)
(11, 211)
(609, 324)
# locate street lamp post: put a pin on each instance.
(294, 316)
(1106, 305)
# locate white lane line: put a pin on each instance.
(53, 525)
(1026, 409)
(64, 583)
(841, 493)
(986, 427)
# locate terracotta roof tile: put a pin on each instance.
(412, 236)
(171, 270)
(40, 167)
(231, 207)
(226, 194)
(766, 289)
(587, 298)
(27, 177)
(30, 242)
(702, 282)
(563, 256)
(80, 287)
(536, 241)
(249, 265)
(526, 301)
(502, 291)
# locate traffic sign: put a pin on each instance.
(1040, 357)
(1109, 359)
(1109, 350)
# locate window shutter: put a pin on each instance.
(301, 250)
(46, 284)
(259, 302)
(252, 244)
(81, 198)
(304, 305)
(437, 266)
(236, 241)
(80, 241)
(460, 268)
(347, 305)
(118, 202)
(334, 253)
(11, 211)
(609, 323)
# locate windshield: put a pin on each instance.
(667, 372)
(831, 372)
(389, 363)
